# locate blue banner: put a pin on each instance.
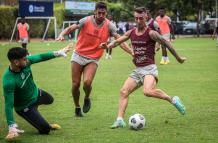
(34, 8)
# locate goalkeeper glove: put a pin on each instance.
(63, 52)
(13, 132)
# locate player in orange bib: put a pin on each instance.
(23, 32)
(167, 32)
(94, 30)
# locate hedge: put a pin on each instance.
(8, 17)
(37, 27)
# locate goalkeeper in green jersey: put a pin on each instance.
(21, 92)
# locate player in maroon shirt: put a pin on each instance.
(143, 42)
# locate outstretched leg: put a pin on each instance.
(150, 90)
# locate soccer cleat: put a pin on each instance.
(86, 105)
(78, 112)
(109, 57)
(166, 62)
(118, 124)
(178, 104)
(55, 127)
(162, 62)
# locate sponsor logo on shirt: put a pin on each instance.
(22, 76)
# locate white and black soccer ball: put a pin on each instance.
(137, 122)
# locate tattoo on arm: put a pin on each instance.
(158, 38)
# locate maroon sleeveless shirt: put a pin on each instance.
(143, 47)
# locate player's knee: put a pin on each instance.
(45, 129)
(87, 83)
(124, 92)
(148, 92)
(75, 85)
(51, 100)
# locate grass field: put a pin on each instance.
(195, 82)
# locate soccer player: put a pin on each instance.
(151, 23)
(143, 42)
(215, 33)
(167, 32)
(109, 51)
(22, 94)
(94, 30)
(23, 32)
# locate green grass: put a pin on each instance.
(196, 82)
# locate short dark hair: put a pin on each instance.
(100, 5)
(16, 53)
(162, 8)
(147, 9)
(140, 9)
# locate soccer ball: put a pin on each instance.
(137, 122)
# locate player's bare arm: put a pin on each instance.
(124, 45)
(67, 31)
(158, 38)
(172, 32)
(116, 42)
(120, 40)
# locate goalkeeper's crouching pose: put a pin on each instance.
(22, 94)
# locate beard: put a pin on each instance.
(22, 66)
(140, 26)
(100, 19)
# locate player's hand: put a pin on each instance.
(173, 37)
(181, 60)
(157, 47)
(13, 132)
(60, 38)
(63, 52)
(132, 53)
(103, 46)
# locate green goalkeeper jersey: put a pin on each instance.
(20, 91)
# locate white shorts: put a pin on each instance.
(24, 40)
(139, 73)
(166, 36)
(81, 60)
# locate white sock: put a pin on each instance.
(166, 59)
(119, 118)
(173, 101)
(163, 58)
